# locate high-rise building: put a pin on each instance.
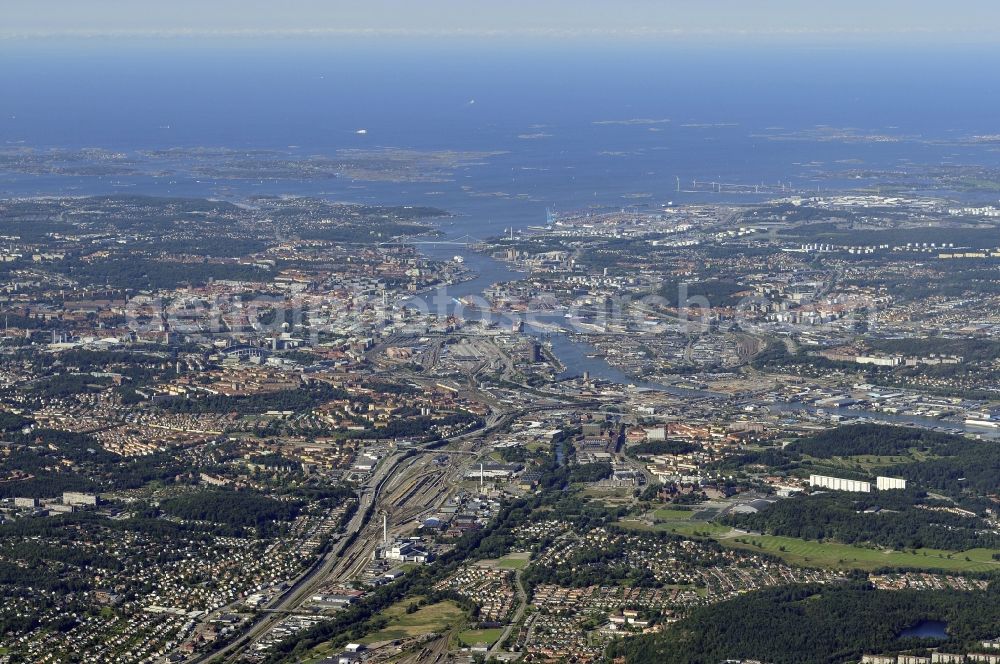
(839, 484)
(532, 351)
(887, 483)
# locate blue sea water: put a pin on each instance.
(572, 124)
(544, 107)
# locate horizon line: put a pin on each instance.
(559, 33)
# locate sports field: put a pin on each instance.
(473, 636)
(518, 560)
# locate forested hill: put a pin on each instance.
(814, 624)
(876, 439)
(955, 466)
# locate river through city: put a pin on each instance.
(579, 357)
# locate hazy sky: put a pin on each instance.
(913, 20)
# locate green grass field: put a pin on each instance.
(433, 618)
(610, 495)
(815, 554)
(684, 527)
(514, 560)
(438, 618)
(690, 523)
(473, 636)
(846, 556)
(693, 528)
(672, 514)
(867, 463)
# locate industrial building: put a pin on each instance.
(405, 552)
(656, 433)
(77, 498)
(493, 471)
